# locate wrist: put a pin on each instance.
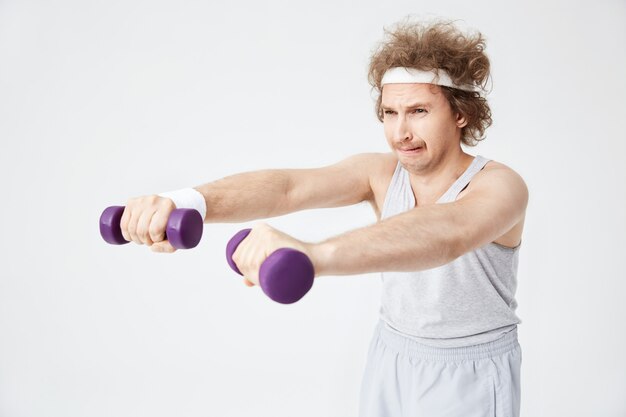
(322, 255)
(187, 198)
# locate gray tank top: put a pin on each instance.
(467, 301)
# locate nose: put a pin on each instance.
(401, 131)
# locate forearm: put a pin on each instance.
(246, 196)
(421, 238)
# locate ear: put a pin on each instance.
(461, 120)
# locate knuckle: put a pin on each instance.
(167, 203)
(155, 233)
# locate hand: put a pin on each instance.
(260, 243)
(144, 221)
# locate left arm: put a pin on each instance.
(428, 236)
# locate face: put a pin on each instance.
(419, 115)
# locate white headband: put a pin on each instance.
(401, 75)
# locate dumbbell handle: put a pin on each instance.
(285, 276)
(183, 230)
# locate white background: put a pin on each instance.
(104, 101)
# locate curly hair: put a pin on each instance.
(439, 45)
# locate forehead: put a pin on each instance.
(405, 94)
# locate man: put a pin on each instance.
(446, 243)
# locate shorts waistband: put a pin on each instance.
(413, 348)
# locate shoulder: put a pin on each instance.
(386, 163)
(381, 168)
(378, 163)
(501, 181)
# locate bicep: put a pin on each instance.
(344, 183)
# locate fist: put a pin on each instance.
(144, 222)
(260, 243)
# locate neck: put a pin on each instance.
(443, 170)
(431, 181)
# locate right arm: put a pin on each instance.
(275, 192)
(257, 194)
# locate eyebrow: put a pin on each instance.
(410, 106)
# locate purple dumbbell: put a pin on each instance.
(184, 227)
(285, 276)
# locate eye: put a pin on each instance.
(420, 110)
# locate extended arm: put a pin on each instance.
(246, 196)
(275, 192)
(428, 236)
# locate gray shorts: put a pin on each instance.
(404, 378)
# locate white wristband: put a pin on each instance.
(187, 198)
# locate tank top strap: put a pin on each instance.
(477, 164)
(395, 198)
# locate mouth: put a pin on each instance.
(412, 151)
